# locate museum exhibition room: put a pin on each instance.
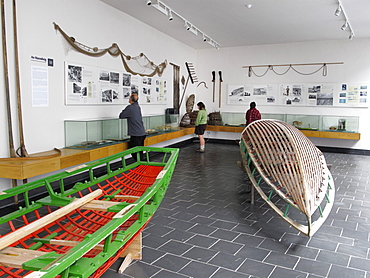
(205, 139)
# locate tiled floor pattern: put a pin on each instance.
(206, 226)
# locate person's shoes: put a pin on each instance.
(200, 150)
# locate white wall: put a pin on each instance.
(356, 68)
(92, 23)
(97, 24)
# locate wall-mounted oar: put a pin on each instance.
(22, 147)
(219, 90)
(214, 84)
(7, 92)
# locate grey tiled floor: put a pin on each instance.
(206, 226)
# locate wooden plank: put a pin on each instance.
(127, 197)
(99, 205)
(15, 257)
(9, 239)
(123, 211)
(70, 243)
(135, 248)
(125, 264)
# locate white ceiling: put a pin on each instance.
(231, 23)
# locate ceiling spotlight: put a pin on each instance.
(148, 2)
(169, 13)
(194, 30)
(338, 11)
(187, 26)
(204, 38)
(344, 26)
(351, 36)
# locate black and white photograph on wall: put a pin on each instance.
(297, 94)
(106, 96)
(237, 94)
(91, 85)
(270, 99)
(76, 88)
(126, 79)
(115, 95)
(74, 73)
(114, 77)
(84, 92)
(326, 96)
(146, 91)
(104, 75)
(259, 91)
(147, 80)
(291, 94)
(126, 92)
(325, 99)
(134, 89)
(297, 91)
(312, 91)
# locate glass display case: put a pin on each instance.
(340, 123)
(92, 133)
(172, 122)
(305, 122)
(233, 119)
(280, 117)
(155, 124)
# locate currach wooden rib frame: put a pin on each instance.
(293, 168)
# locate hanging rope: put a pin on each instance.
(145, 67)
(324, 68)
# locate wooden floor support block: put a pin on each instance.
(135, 248)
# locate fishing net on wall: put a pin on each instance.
(140, 64)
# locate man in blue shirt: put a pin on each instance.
(135, 124)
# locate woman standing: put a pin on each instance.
(200, 126)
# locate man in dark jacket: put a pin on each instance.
(135, 124)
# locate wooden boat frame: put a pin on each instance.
(280, 156)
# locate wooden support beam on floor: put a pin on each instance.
(135, 248)
(132, 252)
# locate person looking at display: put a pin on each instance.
(252, 114)
(200, 126)
(135, 125)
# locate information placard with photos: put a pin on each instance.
(295, 94)
(89, 85)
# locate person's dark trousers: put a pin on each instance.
(137, 141)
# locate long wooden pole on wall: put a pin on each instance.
(7, 92)
(22, 147)
(6, 81)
